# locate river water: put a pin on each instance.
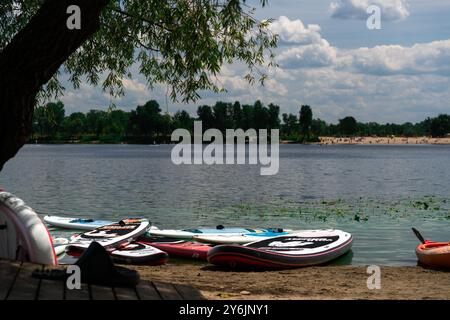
(376, 192)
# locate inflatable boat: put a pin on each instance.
(431, 253)
(23, 236)
(434, 254)
(299, 249)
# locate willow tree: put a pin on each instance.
(182, 43)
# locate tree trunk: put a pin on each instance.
(31, 59)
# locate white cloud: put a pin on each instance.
(309, 56)
(276, 87)
(135, 86)
(386, 83)
(391, 10)
(295, 32)
(421, 58)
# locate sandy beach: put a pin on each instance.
(328, 282)
(384, 140)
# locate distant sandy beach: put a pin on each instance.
(384, 140)
(328, 282)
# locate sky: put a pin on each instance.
(330, 60)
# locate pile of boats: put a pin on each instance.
(24, 237)
(135, 241)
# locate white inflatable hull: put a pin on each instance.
(299, 249)
(23, 236)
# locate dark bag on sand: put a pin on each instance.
(96, 267)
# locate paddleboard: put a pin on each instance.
(136, 252)
(139, 253)
(60, 249)
(23, 235)
(60, 241)
(189, 234)
(181, 248)
(60, 245)
(75, 223)
(236, 239)
(299, 249)
(112, 235)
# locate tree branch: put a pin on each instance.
(30, 60)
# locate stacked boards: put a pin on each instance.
(119, 239)
(112, 235)
(133, 241)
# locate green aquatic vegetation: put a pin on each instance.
(421, 205)
(358, 218)
(329, 211)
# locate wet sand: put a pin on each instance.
(328, 282)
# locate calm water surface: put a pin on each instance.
(375, 192)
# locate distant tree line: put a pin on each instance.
(147, 123)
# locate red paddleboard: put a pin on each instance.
(183, 249)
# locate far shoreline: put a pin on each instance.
(392, 140)
(357, 140)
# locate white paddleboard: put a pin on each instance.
(23, 236)
(112, 235)
(139, 253)
(60, 245)
(189, 234)
(60, 249)
(75, 223)
(60, 241)
(228, 239)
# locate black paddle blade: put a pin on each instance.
(418, 235)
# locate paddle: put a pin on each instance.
(418, 235)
